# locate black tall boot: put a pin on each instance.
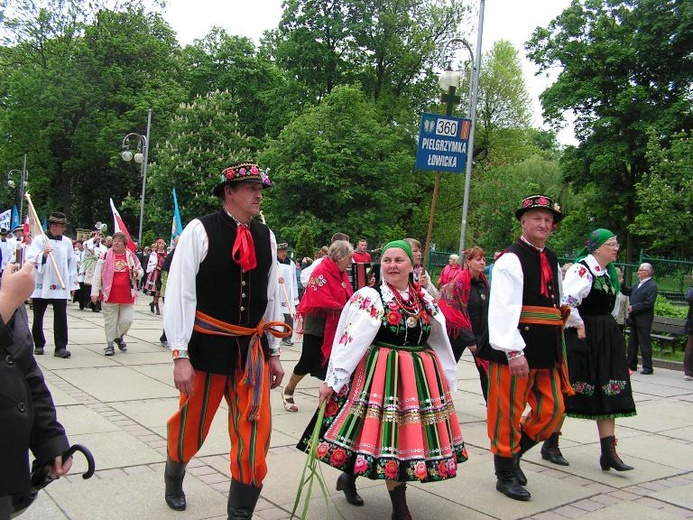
(173, 478)
(400, 510)
(506, 475)
(242, 500)
(610, 458)
(347, 483)
(525, 445)
(551, 452)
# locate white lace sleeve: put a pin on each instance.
(357, 328)
(576, 286)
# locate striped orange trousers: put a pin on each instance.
(508, 396)
(250, 440)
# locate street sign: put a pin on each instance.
(443, 143)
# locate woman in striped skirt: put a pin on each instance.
(389, 413)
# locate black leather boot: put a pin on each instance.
(551, 452)
(398, 497)
(610, 458)
(242, 500)
(525, 444)
(506, 475)
(347, 483)
(173, 478)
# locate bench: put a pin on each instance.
(666, 329)
(675, 297)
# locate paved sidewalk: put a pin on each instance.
(118, 407)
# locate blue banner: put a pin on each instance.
(176, 224)
(15, 218)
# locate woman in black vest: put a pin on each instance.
(596, 350)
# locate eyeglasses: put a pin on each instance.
(615, 245)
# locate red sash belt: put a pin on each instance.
(255, 374)
(552, 316)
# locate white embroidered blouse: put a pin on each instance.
(358, 325)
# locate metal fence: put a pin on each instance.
(673, 276)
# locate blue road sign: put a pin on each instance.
(443, 142)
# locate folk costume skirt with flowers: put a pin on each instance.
(395, 420)
(598, 371)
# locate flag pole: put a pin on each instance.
(32, 215)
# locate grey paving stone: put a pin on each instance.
(680, 496)
(119, 406)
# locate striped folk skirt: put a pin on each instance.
(395, 420)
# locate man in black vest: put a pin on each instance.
(223, 324)
(525, 353)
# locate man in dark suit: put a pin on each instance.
(640, 316)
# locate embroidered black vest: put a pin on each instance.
(601, 298)
(542, 342)
(228, 293)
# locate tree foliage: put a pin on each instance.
(337, 168)
(204, 138)
(497, 194)
(665, 195)
(263, 96)
(72, 91)
(388, 47)
(626, 67)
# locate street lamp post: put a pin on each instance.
(140, 156)
(24, 179)
(449, 81)
(473, 95)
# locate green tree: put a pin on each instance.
(312, 43)
(204, 139)
(305, 243)
(338, 168)
(665, 195)
(497, 194)
(264, 97)
(626, 67)
(503, 111)
(73, 87)
(388, 47)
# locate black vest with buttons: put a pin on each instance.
(542, 342)
(228, 293)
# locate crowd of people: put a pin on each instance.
(547, 341)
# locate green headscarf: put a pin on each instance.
(593, 242)
(401, 244)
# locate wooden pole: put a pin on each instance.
(286, 297)
(34, 216)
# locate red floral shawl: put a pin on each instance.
(327, 292)
(454, 297)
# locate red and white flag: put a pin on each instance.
(119, 225)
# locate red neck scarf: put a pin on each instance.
(243, 252)
(546, 274)
(327, 292)
(545, 267)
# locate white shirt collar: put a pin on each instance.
(594, 266)
(540, 249)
